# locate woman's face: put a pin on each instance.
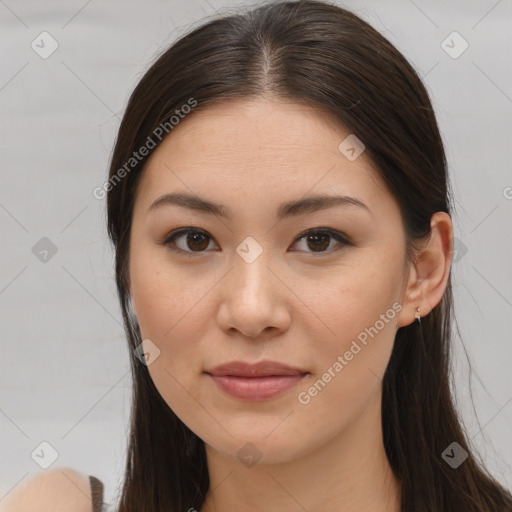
(257, 285)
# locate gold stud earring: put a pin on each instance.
(417, 316)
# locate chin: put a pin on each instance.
(248, 449)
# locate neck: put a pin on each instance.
(351, 473)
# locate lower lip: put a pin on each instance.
(256, 388)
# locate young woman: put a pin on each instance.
(284, 253)
(279, 206)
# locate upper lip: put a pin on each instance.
(261, 369)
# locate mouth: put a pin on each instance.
(255, 382)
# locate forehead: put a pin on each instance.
(262, 150)
(241, 128)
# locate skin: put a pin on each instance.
(59, 490)
(293, 303)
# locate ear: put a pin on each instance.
(428, 276)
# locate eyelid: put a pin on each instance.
(339, 236)
(169, 240)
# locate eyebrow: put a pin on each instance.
(288, 209)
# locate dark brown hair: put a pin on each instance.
(326, 57)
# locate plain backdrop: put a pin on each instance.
(64, 362)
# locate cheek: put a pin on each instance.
(361, 310)
(166, 298)
(348, 375)
(173, 321)
(354, 300)
(171, 313)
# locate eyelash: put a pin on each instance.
(169, 241)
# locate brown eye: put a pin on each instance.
(319, 240)
(195, 241)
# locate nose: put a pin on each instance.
(254, 299)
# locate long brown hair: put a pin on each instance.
(326, 57)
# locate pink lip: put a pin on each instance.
(254, 382)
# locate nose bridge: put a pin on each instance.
(251, 265)
(253, 288)
(252, 300)
(249, 303)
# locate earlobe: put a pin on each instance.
(413, 298)
(429, 275)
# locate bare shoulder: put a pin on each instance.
(56, 490)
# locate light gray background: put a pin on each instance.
(64, 362)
